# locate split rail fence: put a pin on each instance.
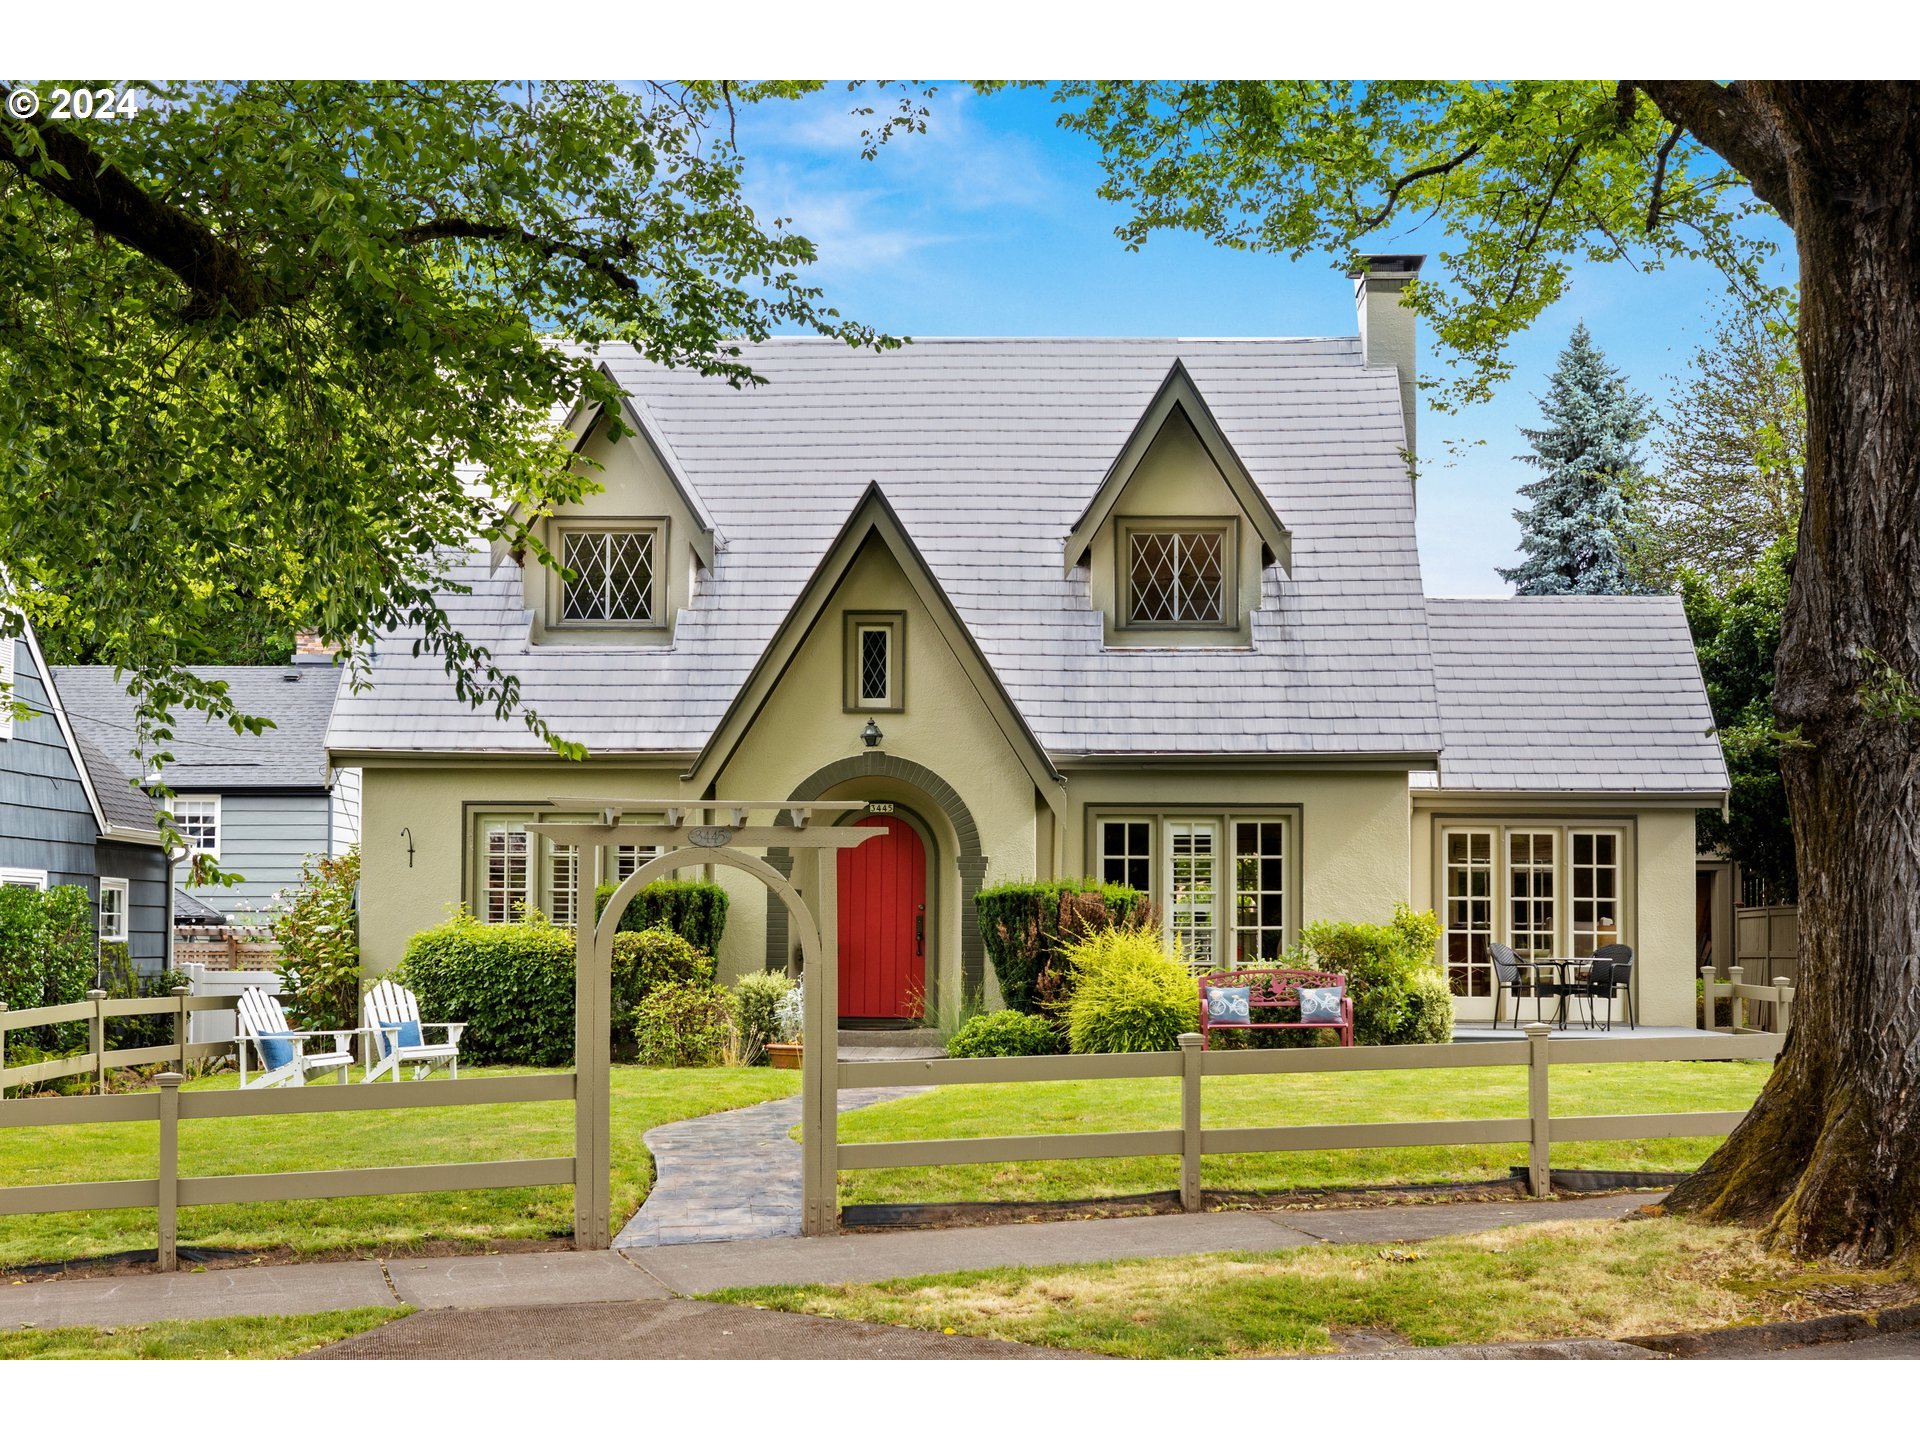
(168, 1106)
(1777, 999)
(1538, 1129)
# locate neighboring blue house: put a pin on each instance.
(259, 804)
(68, 815)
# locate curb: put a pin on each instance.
(1747, 1339)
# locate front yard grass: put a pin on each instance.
(964, 1111)
(243, 1337)
(1598, 1279)
(387, 1224)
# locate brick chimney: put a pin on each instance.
(1386, 326)
(310, 649)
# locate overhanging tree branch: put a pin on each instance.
(1425, 172)
(459, 229)
(1728, 123)
(68, 168)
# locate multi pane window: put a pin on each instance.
(1259, 891)
(1530, 893)
(1126, 854)
(612, 572)
(1469, 917)
(113, 909)
(629, 858)
(25, 879)
(563, 873)
(1545, 890)
(505, 880)
(1177, 577)
(876, 664)
(1595, 890)
(1193, 856)
(197, 818)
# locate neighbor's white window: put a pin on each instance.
(197, 818)
(26, 879)
(504, 877)
(613, 575)
(1259, 891)
(1193, 866)
(113, 909)
(1177, 576)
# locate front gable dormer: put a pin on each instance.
(635, 546)
(1176, 538)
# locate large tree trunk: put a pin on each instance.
(1829, 1159)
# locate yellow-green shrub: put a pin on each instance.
(1127, 994)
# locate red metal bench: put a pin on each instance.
(1272, 989)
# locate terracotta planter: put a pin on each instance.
(784, 1057)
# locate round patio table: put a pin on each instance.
(1563, 966)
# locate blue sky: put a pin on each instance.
(988, 224)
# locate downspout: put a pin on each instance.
(166, 956)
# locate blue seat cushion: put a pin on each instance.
(1321, 1003)
(276, 1048)
(405, 1035)
(1229, 1004)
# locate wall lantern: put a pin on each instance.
(872, 734)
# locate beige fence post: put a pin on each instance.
(1190, 1057)
(180, 993)
(3, 1049)
(1783, 1004)
(97, 1040)
(1539, 1157)
(169, 1169)
(1707, 976)
(1736, 1006)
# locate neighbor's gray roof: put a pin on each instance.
(207, 754)
(1572, 693)
(989, 450)
(123, 805)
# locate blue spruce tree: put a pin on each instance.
(1573, 532)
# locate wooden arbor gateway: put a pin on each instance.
(705, 832)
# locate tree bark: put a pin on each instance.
(1829, 1159)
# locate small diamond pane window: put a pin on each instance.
(875, 666)
(1177, 577)
(613, 575)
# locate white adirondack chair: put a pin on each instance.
(388, 1008)
(259, 1017)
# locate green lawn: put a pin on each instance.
(244, 1337)
(977, 1110)
(378, 1224)
(1604, 1279)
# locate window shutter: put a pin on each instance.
(6, 693)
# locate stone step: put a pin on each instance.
(892, 1039)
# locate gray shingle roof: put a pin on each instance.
(119, 801)
(1572, 693)
(989, 450)
(208, 755)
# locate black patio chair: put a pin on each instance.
(1506, 976)
(1610, 974)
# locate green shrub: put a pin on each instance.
(1386, 968)
(1028, 923)
(1126, 994)
(1005, 1032)
(757, 999)
(644, 960)
(122, 980)
(1430, 1010)
(683, 1024)
(512, 985)
(695, 910)
(319, 937)
(47, 957)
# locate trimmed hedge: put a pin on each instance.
(513, 984)
(695, 910)
(47, 956)
(1028, 923)
(1004, 1032)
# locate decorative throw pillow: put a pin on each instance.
(404, 1036)
(1229, 1004)
(1322, 1003)
(276, 1049)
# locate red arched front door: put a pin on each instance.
(883, 924)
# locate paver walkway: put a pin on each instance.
(734, 1175)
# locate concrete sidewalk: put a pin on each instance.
(570, 1277)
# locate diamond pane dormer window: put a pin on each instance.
(876, 668)
(1177, 577)
(613, 574)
